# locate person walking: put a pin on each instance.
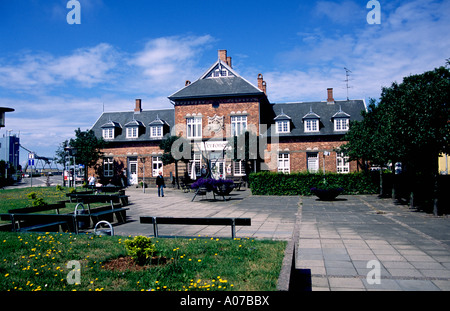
(161, 185)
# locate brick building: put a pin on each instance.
(212, 110)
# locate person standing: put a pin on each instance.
(160, 183)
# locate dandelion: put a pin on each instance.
(6, 275)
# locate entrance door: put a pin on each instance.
(132, 171)
(218, 168)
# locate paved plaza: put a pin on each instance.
(336, 240)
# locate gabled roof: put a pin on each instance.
(282, 116)
(311, 115)
(134, 123)
(208, 86)
(325, 112)
(340, 114)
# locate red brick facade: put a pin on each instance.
(238, 102)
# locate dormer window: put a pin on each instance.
(312, 125)
(311, 122)
(283, 126)
(341, 124)
(282, 123)
(157, 128)
(156, 131)
(108, 133)
(132, 132)
(133, 128)
(341, 121)
(110, 130)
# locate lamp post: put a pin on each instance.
(3, 110)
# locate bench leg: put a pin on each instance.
(233, 229)
(155, 227)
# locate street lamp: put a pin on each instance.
(3, 110)
(72, 151)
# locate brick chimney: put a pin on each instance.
(330, 99)
(223, 57)
(262, 84)
(138, 107)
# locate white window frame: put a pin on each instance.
(311, 125)
(108, 133)
(156, 131)
(283, 126)
(194, 127)
(238, 125)
(342, 163)
(341, 124)
(284, 163)
(108, 167)
(157, 165)
(312, 162)
(197, 161)
(239, 168)
(132, 132)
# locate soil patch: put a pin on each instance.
(128, 264)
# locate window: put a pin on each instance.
(108, 167)
(220, 73)
(341, 124)
(311, 125)
(156, 131)
(284, 163)
(196, 161)
(157, 166)
(238, 125)
(283, 126)
(194, 127)
(108, 133)
(313, 162)
(132, 132)
(342, 163)
(239, 168)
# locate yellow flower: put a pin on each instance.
(6, 275)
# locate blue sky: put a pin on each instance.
(58, 77)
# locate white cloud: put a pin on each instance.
(33, 72)
(411, 39)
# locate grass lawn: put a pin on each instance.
(38, 261)
(18, 198)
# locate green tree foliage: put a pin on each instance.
(409, 124)
(88, 148)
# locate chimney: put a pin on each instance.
(138, 107)
(330, 99)
(223, 57)
(262, 84)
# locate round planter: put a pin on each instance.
(327, 194)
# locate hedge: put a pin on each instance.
(270, 183)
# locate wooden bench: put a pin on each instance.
(98, 214)
(34, 222)
(37, 209)
(100, 198)
(233, 222)
(26, 220)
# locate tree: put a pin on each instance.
(173, 147)
(409, 124)
(88, 149)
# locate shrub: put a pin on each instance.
(140, 248)
(270, 183)
(36, 200)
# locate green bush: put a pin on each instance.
(140, 248)
(270, 183)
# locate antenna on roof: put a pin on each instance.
(347, 71)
